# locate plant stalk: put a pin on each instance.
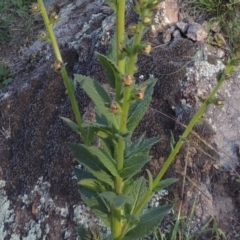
(119, 148)
(64, 74)
(120, 32)
(179, 144)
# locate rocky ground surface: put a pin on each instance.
(38, 190)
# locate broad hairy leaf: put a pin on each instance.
(133, 165)
(91, 198)
(96, 203)
(91, 233)
(105, 158)
(112, 49)
(82, 174)
(148, 222)
(137, 191)
(101, 130)
(139, 108)
(72, 125)
(141, 145)
(86, 155)
(112, 71)
(99, 96)
(93, 184)
(116, 200)
(165, 183)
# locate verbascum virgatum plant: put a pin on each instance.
(111, 186)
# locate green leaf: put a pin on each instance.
(105, 158)
(91, 198)
(112, 50)
(133, 165)
(95, 202)
(101, 129)
(165, 183)
(148, 222)
(72, 125)
(82, 174)
(99, 96)
(141, 145)
(139, 108)
(137, 190)
(112, 4)
(116, 200)
(112, 70)
(93, 163)
(91, 233)
(92, 184)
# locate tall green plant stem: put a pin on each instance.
(64, 74)
(179, 144)
(120, 32)
(119, 149)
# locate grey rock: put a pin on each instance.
(182, 26)
(167, 36)
(196, 32)
(177, 34)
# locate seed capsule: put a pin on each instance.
(57, 65)
(54, 17)
(132, 29)
(147, 21)
(127, 80)
(147, 49)
(140, 94)
(35, 8)
(114, 107)
(43, 35)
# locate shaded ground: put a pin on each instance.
(39, 198)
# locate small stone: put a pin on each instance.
(167, 36)
(173, 28)
(182, 26)
(196, 32)
(176, 34)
